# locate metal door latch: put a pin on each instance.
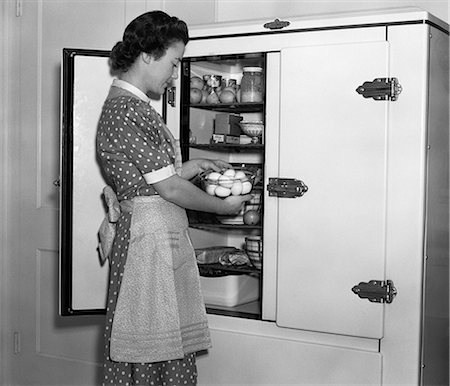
(377, 291)
(286, 187)
(381, 89)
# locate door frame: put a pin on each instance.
(7, 110)
(3, 181)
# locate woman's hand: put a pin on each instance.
(236, 203)
(194, 167)
(216, 165)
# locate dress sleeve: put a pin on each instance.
(138, 132)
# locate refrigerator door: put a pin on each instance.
(335, 141)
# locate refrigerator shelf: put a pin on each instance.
(230, 107)
(226, 147)
(217, 270)
(221, 227)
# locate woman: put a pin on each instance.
(156, 318)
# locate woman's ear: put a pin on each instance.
(146, 57)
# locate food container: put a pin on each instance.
(212, 255)
(213, 81)
(254, 249)
(229, 291)
(252, 85)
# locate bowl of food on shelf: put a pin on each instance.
(253, 129)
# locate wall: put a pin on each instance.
(201, 11)
(96, 24)
(228, 10)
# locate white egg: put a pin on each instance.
(229, 173)
(210, 188)
(213, 176)
(222, 191)
(236, 189)
(240, 175)
(246, 187)
(225, 181)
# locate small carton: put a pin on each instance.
(227, 124)
(218, 138)
(224, 138)
(232, 139)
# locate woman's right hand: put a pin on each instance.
(234, 204)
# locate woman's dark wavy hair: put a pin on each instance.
(152, 32)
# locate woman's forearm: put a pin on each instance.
(185, 194)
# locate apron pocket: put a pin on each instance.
(173, 247)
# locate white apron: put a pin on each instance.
(160, 314)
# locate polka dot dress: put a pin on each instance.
(131, 142)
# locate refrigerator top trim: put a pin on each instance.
(396, 16)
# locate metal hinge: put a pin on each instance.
(381, 89)
(19, 8)
(17, 344)
(171, 94)
(377, 291)
(286, 187)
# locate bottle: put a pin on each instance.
(252, 85)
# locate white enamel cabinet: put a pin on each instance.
(374, 219)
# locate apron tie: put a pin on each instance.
(107, 230)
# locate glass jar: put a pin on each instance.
(252, 85)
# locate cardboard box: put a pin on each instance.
(223, 138)
(227, 124)
(232, 139)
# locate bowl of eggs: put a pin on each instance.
(233, 181)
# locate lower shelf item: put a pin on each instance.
(230, 290)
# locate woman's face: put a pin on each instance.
(160, 72)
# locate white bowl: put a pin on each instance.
(252, 128)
